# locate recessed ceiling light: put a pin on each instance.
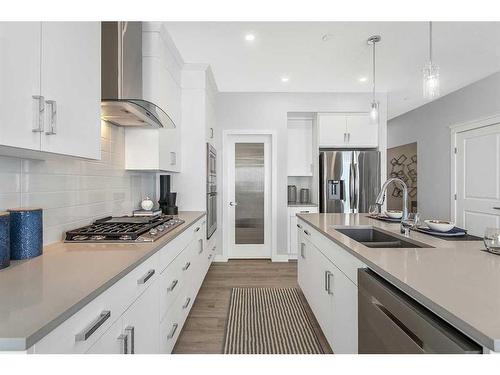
(362, 79)
(249, 37)
(285, 79)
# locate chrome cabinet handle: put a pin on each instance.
(211, 133)
(496, 208)
(345, 137)
(304, 212)
(233, 204)
(186, 266)
(210, 256)
(197, 229)
(173, 285)
(302, 250)
(307, 232)
(328, 282)
(201, 246)
(348, 137)
(186, 304)
(173, 158)
(52, 117)
(124, 340)
(146, 277)
(94, 326)
(172, 331)
(299, 226)
(39, 114)
(130, 332)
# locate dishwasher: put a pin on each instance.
(390, 322)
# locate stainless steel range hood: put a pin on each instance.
(122, 101)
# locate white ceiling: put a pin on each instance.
(464, 51)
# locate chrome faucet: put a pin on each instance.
(381, 198)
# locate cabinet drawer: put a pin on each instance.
(171, 327)
(170, 251)
(340, 257)
(171, 281)
(83, 329)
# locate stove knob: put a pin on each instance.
(161, 228)
(153, 231)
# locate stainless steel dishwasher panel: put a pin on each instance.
(390, 322)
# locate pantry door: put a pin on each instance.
(248, 204)
(478, 179)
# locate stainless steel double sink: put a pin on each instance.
(376, 238)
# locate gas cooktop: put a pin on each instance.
(125, 229)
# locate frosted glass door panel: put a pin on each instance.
(249, 193)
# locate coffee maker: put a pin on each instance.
(167, 198)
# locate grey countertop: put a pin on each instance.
(456, 280)
(39, 294)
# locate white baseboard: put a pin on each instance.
(280, 258)
(220, 258)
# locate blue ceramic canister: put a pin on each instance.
(26, 233)
(4, 240)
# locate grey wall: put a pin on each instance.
(268, 111)
(429, 127)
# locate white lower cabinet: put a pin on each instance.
(331, 295)
(293, 244)
(143, 313)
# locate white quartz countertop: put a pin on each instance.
(454, 279)
(37, 295)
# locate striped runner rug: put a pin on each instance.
(269, 321)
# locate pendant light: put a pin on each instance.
(374, 104)
(430, 74)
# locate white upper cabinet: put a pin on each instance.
(51, 86)
(20, 83)
(360, 132)
(158, 149)
(71, 85)
(346, 130)
(300, 147)
(332, 129)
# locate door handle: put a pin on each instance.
(171, 334)
(186, 304)
(299, 226)
(94, 326)
(186, 266)
(233, 203)
(201, 246)
(124, 341)
(496, 208)
(307, 232)
(130, 331)
(145, 278)
(172, 286)
(302, 250)
(52, 117)
(329, 277)
(39, 114)
(173, 158)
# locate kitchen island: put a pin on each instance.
(456, 280)
(46, 303)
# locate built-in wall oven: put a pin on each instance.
(211, 190)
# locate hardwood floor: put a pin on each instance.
(203, 332)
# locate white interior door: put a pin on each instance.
(248, 187)
(478, 179)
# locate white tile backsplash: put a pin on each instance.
(74, 192)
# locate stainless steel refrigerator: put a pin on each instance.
(349, 180)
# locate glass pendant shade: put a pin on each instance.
(374, 113)
(431, 81)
